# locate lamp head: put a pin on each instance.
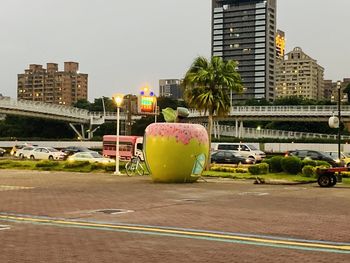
(118, 99)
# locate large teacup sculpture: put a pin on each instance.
(175, 152)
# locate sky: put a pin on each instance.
(124, 45)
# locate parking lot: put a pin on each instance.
(73, 217)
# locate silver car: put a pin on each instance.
(23, 152)
(45, 153)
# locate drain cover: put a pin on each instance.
(113, 211)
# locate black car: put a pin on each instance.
(230, 157)
(2, 152)
(316, 156)
(70, 150)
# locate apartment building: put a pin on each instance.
(51, 85)
(244, 30)
(299, 75)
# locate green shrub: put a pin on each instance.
(309, 162)
(291, 164)
(275, 164)
(76, 164)
(261, 168)
(268, 161)
(97, 166)
(46, 164)
(5, 162)
(225, 169)
(109, 167)
(241, 170)
(323, 164)
(308, 171)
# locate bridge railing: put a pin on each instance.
(40, 107)
(230, 131)
(307, 110)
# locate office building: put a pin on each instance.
(170, 88)
(299, 75)
(244, 30)
(51, 85)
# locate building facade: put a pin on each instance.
(170, 88)
(244, 30)
(299, 75)
(51, 85)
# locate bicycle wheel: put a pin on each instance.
(129, 169)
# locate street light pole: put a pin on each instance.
(339, 116)
(118, 99)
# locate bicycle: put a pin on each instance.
(134, 167)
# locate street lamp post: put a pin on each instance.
(339, 116)
(118, 99)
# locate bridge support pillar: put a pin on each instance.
(80, 135)
(241, 130)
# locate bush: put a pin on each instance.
(308, 171)
(109, 167)
(97, 166)
(76, 164)
(309, 162)
(275, 164)
(228, 169)
(323, 164)
(291, 164)
(261, 168)
(5, 162)
(46, 164)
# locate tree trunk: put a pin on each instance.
(210, 128)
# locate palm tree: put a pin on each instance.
(208, 85)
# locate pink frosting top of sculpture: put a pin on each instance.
(183, 132)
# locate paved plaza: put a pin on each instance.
(76, 217)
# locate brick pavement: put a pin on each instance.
(306, 212)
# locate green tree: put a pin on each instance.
(208, 85)
(82, 104)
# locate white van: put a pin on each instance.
(246, 150)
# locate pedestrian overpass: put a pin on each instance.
(238, 114)
(74, 116)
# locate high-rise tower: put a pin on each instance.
(244, 30)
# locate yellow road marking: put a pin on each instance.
(181, 232)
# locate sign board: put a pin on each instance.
(147, 104)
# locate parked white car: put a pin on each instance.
(23, 152)
(45, 153)
(92, 157)
(247, 150)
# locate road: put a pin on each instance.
(74, 217)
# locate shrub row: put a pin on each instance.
(229, 169)
(293, 165)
